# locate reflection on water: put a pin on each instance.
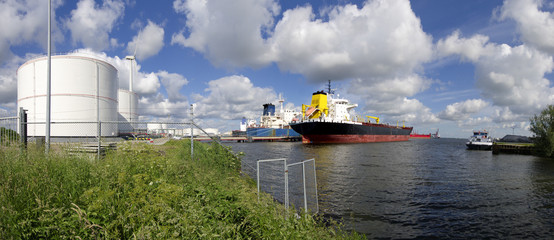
(425, 188)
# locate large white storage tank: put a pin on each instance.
(128, 102)
(83, 89)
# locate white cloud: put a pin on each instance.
(25, 22)
(382, 39)
(173, 84)
(144, 84)
(535, 26)
(512, 77)
(477, 123)
(150, 41)
(147, 86)
(228, 32)
(471, 49)
(463, 110)
(91, 24)
(232, 97)
(8, 80)
(390, 97)
(158, 106)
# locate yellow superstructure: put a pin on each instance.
(317, 107)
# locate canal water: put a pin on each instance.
(425, 188)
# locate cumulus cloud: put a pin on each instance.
(463, 110)
(469, 49)
(536, 27)
(25, 22)
(158, 106)
(148, 42)
(512, 77)
(143, 83)
(173, 84)
(381, 39)
(91, 24)
(228, 32)
(232, 97)
(152, 103)
(476, 123)
(515, 77)
(8, 80)
(390, 97)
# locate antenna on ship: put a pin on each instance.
(281, 103)
(329, 87)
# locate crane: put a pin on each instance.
(376, 119)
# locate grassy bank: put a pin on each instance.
(144, 192)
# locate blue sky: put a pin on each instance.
(452, 65)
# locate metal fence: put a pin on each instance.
(293, 184)
(9, 131)
(95, 137)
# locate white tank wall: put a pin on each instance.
(82, 88)
(128, 102)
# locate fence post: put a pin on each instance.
(191, 142)
(315, 187)
(286, 185)
(304, 186)
(99, 129)
(191, 131)
(258, 177)
(23, 127)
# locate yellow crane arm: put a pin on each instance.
(376, 118)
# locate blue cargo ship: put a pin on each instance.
(273, 126)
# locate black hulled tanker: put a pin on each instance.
(327, 120)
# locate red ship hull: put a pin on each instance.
(415, 135)
(353, 138)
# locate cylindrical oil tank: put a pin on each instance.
(128, 102)
(156, 128)
(83, 89)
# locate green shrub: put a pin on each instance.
(543, 127)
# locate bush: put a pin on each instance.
(543, 128)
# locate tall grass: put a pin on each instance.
(141, 191)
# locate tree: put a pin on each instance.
(543, 128)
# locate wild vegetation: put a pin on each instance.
(142, 192)
(542, 126)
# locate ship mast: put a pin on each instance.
(329, 91)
